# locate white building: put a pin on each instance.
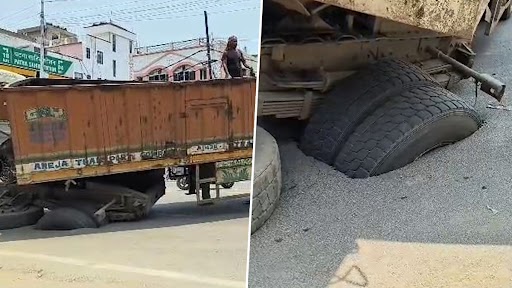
(178, 61)
(107, 50)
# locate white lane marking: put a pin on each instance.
(210, 281)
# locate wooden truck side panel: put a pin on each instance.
(73, 131)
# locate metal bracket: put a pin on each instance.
(101, 214)
(307, 105)
(198, 186)
(490, 85)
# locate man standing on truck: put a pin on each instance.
(233, 59)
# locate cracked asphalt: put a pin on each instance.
(458, 195)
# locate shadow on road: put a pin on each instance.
(162, 215)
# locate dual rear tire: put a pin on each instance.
(20, 218)
(373, 123)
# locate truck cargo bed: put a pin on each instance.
(69, 130)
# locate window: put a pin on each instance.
(131, 46)
(88, 53)
(114, 38)
(159, 75)
(55, 37)
(100, 57)
(79, 75)
(114, 68)
(203, 74)
(183, 74)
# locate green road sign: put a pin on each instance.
(11, 56)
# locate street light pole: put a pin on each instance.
(41, 64)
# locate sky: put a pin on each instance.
(154, 21)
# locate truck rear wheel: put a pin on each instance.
(20, 218)
(508, 12)
(66, 218)
(267, 178)
(407, 126)
(352, 100)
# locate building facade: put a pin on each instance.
(20, 54)
(104, 51)
(181, 61)
(55, 35)
(107, 51)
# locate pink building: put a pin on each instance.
(181, 61)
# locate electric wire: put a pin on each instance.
(191, 6)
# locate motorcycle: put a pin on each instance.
(183, 183)
(181, 176)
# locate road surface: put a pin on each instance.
(443, 221)
(179, 245)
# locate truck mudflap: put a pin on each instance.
(457, 18)
(225, 173)
(233, 171)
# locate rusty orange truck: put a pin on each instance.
(96, 151)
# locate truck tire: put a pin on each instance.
(11, 220)
(228, 185)
(409, 125)
(267, 178)
(66, 218)
(506, 15)
(352, 100)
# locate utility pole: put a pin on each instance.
(41, 68)
(208, 50)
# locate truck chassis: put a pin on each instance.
(368, 81)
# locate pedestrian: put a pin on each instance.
(233, 59)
